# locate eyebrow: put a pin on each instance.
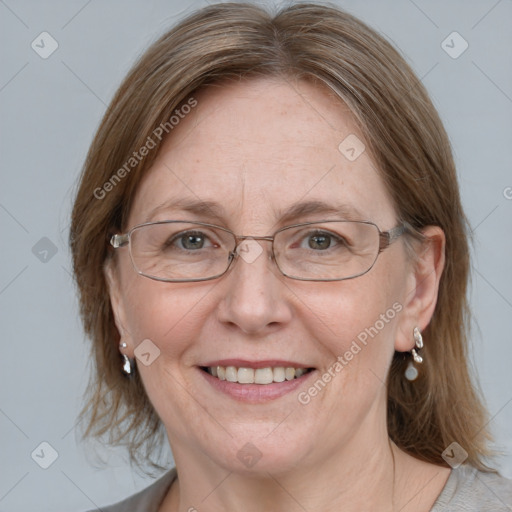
(206, 209)
(214, 211)
(303, 209)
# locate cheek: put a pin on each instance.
(355, 319)
(354, 324)
(166, 313)
(171, 316)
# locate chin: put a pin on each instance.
(258, 453)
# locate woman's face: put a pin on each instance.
(255, 149)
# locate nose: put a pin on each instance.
(256, 300)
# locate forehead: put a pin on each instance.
(258, 147)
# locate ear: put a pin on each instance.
(116, 301)
(422, 287)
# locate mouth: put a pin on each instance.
(255, 382)
(262, 376)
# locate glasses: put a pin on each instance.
(329, 250)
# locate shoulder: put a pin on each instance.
(468, 489)
(147, 500)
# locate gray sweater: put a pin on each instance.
(466, 490)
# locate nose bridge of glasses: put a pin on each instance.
(250, 237)
(250, 251)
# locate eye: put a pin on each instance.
(319, 241)
(322, 240)
(190, 241)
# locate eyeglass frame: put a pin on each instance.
(386, 238)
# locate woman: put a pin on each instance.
(272, 262)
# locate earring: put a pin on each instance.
(418, 341)
(411, 372)
(128, 364)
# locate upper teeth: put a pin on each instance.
(255, 376)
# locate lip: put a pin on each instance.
(244, 363)
(255, 393)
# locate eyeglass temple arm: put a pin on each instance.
(388, 237)
(117, 241)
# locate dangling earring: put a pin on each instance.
(418, 341)
(411, 372)
(128, 364)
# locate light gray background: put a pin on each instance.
(50, 109)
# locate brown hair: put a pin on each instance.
(411, 149)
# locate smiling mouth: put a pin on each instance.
(242, 375)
